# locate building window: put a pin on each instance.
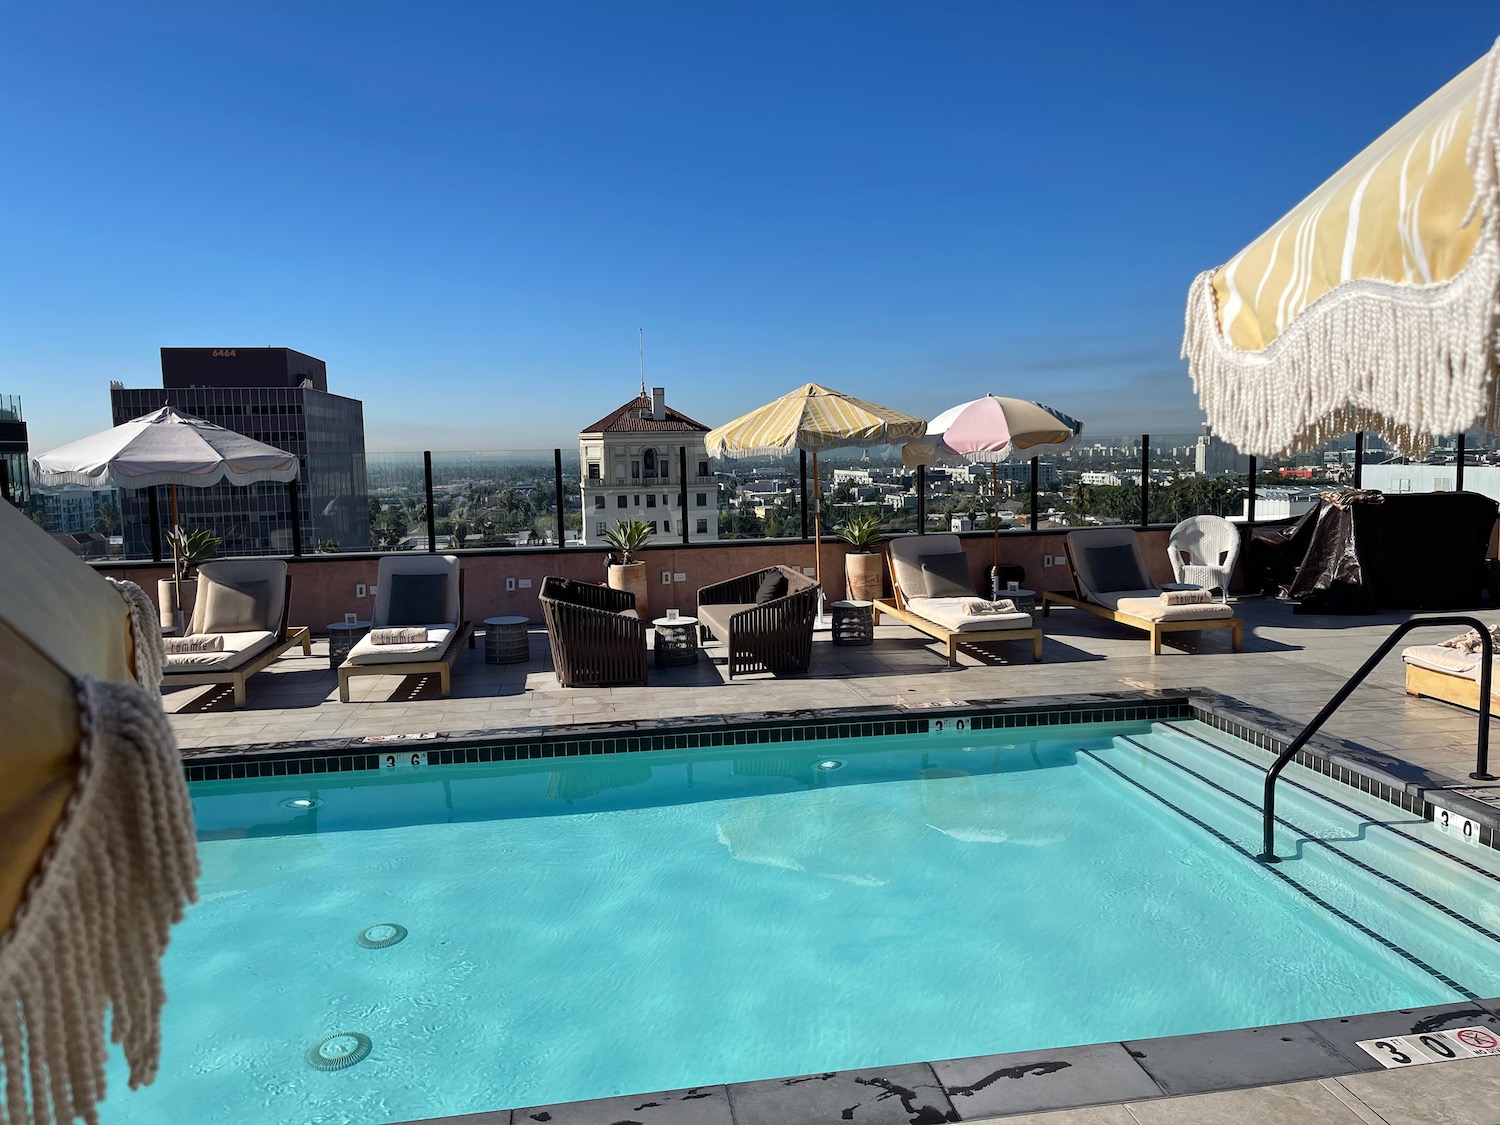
(636, 499)
(620, 502)
(600, 528)
(703, 468)
(598, 501)
(702, 499)
(593, 470)
(652, 525)
(635, 470)
(651, 500)
(666, 525)
(666, 467)
(702, 527)
(649, 457)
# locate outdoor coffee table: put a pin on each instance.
(676, 640)
(853, 622)
(506, 640)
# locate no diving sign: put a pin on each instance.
(1434, 1046)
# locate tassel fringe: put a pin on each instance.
(1409, 363)
(88, 937)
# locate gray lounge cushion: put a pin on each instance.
(234, 607)
(418, 599)
(1115, 568)
(947, 576)
(716, 616)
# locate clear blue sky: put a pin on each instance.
(468, 209)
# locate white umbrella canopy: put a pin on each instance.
(164, 447)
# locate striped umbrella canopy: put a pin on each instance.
(812, 418)
(1371, 305)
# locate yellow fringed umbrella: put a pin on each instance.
(97, 852)
(812, 418)
(1371, 305)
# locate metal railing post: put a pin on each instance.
(1359, 459)
(921, 499)
(1482, 751)
(557, 484)
(431, 515)
(291, 495)
(1036, 494)
(1458, 474)
(1250, 495)
(153, 510)
(802, 455)
(682, 477)
(1145, 479)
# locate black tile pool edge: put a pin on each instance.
(957, 1089)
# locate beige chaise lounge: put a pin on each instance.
(238, 626)
(416, 591)
(922, 565)
(1111, 580)
(1449, 674)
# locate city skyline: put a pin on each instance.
(471, 219)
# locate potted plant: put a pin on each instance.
(177, 595)
(862, 577)
(628, 572)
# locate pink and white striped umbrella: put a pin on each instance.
(996, 429)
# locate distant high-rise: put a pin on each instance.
(278, 396)
(1214, 457)
(15, 464)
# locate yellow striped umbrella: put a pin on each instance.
(812, 418)
(1372, 304)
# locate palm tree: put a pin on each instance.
(1081, 497)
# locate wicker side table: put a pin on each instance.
(676, 640)
(853, 623)
(343, 636)
(506, 640)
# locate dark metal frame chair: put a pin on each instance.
(775, 637)
(593, 642)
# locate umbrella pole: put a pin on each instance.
(817, 522)
(995, 488)
(176, 567)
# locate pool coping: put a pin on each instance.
(1012, 1083)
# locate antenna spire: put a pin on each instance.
(643, 361)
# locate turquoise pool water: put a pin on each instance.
(585, 927)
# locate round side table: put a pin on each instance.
(1025, 599)
(343, 636)
(506, 640)
(853, 623)
(676, 640)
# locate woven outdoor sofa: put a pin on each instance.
(764, 630)
(597, 636)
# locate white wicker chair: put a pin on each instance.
(1204, 550)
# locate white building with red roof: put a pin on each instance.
(633, 462)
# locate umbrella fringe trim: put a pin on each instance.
(92, 925)
(1411, 363)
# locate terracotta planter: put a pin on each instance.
(166, 601)
(631, 577)
(862, 575)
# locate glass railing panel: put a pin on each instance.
(501, 498)
(1196, 474)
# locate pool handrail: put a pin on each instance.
(1482, 751)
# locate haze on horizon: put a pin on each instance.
(469, 212)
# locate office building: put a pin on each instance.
(632, 470)
(278, 396)
(15, 463)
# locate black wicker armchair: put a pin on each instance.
(596, 635)
(771, 636)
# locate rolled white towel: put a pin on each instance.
(1185, 597)
(978, 607)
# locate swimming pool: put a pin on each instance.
(580, 927)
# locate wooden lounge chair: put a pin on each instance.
(943, 617)
(765, 631)
(597, 636)
(239, 626)
(407, 589)
(1439, 672)
(1110, 580)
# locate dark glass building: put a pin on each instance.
(15, 465)
(278, 396)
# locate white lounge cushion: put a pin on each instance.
(1147, 604)
(1441, 658)
(367, 652)
(239, 648)
(949, 613)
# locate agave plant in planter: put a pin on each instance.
(628, 537)
(176, 595)
(862, 577)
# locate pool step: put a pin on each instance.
(1396, 895)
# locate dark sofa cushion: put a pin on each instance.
(234, 607)
(1115, 568)
(947, 575)
(418, 599)
(772, 586)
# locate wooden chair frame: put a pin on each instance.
(1458, 690)
(239, 675)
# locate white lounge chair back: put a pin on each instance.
(1211, 546)
(238, 572)
(907, 552)
(417, 563)
(1095, 571)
